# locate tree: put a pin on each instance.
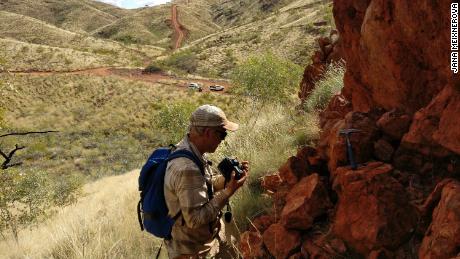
(172, 120)
(266, 78)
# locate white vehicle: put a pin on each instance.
(216, 88)
(195, 86)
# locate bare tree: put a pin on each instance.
(8, 157)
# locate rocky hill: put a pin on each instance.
(401, 200)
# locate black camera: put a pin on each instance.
(227, 166)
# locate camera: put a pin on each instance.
(227, 166)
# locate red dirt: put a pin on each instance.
(133, 74)
(179, 33)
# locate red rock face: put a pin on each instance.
(435, 126)
(373, 211)
(280, 241)
(442, 239)
(307, 200)
(251, 245)
(395, 58)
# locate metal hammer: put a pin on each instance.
(351, 159)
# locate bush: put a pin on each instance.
(329, 85)
(152, 69)
(185, 61)
(172, 121)
(266, 78)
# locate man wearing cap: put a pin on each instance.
(198, 197)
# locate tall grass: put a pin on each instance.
(103, 224)
(331, 83)
(266, 142)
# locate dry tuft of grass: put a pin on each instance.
(103, 224)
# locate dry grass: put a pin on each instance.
(20, 56)
(31, 44)
(106, 123)
(288, 33)
(103, 224)
(74, 15)
(266, 138)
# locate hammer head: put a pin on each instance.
(348, 131)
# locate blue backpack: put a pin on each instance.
(152, 211)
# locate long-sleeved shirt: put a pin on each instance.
(186, 192)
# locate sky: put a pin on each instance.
(129, 4)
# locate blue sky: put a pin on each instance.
(129, 4)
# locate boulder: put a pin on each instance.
(323, 246)
(373, 211)
(280, 241)
(442, 239)
(333, 144)
(394, 124)
(261, 223)
(434, 126)
(252, 246)
(383, 150)
(307, 200)
(271, 182)
(294, 169)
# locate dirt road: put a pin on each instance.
(178, 32)
(138, 75)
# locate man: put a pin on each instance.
(196, 196)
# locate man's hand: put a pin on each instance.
(234, 184)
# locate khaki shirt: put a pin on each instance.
(185, 190)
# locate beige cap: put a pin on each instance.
(211, 116)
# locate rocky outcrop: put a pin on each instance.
(373, 210)
(442, 239)
(329, 51)
(402, 200)
(307, 200)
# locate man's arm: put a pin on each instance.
(218, 182)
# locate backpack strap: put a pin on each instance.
(187, 154)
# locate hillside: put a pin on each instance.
(153, 25)
(73, 15)
(289, 31)
(31, 44)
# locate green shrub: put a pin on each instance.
(172, 121)
(329, 85)
(152, 68)
(266, 78)
(185, 61)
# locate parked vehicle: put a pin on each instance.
(195, 86)
(216, 88)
